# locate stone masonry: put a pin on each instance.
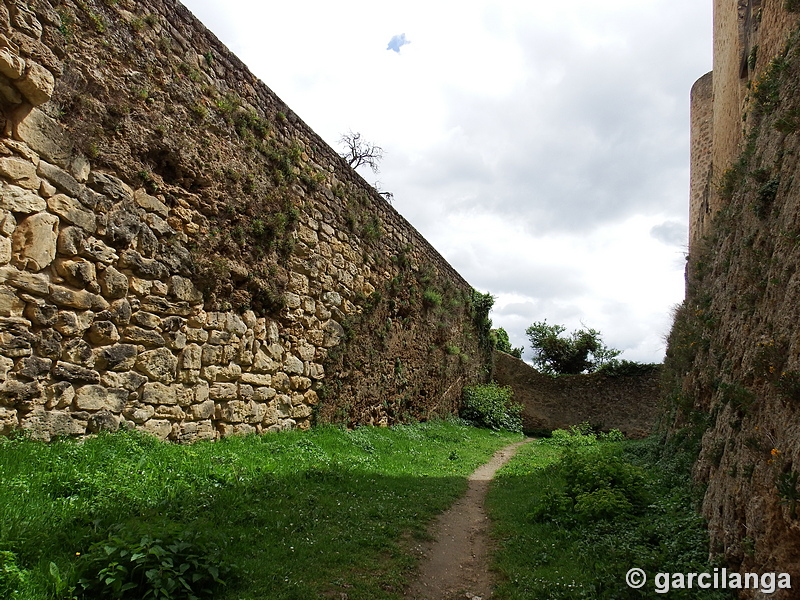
(113, 197)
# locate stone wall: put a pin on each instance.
(628, 403)
(732, 372)
(748, 35)
(180, 253)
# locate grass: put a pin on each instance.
(294, 515)
(551, 546)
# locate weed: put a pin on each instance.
(490, 406)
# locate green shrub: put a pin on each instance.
(575, 436)
(12, 578)
(621, 368)
(131, 564)
(490, 405)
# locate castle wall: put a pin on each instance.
(701, 167)
(181, 254)
(628, 403)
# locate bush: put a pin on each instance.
(131, 564)
(12, 578)
(621, 368)
(490, 405)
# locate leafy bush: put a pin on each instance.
(597, 485)
(621, 368)
(12, 578)
(490, 405)
(130, 564)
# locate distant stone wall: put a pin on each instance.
(627, 403)
(181, 254)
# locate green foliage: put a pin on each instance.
(580, 352)
(624, 368)
(431, 298)
(480, 307)
(12, 578)
(129, 564)
(571, 522)
(490, 405)
(295, 514)
(503, 344)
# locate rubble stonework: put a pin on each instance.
(114, 310)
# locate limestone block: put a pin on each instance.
(71, 241)
(158, 427)
(9, 93)
(45, 424)
(223, 391)
(59, 395)
(146, 319)
(150, 203)
(72, 211)
(183, 289)
(219, 337)
(120, 312)
(139, 414)
(195, 432)
(311, 398)
(256, 379)
(78, 272)
(305, 351)
(45, 136)
(298, 284)
(11, 65)
(103, 421)
(113, 284)
(79, 299)
(20, 200)
(230, 372)
(70, 323)
(270, 415)
(264, 394)
(98, 397)
(263, 363)
(145, 337)
(300, 411)
(141, 287)
(176, 340)
(293, 365)
(334, 333)
(291, 300)
(5, 250)
(128, 380)
(226, 429)
(49, 344)
(11, 305)
(158, 393)
(171, 412)
(195, 335)
(79, 352)
(147, 244)
(33, 244)
(111, 186)
(159, 364)
(211, 354)
(276, 351)
(19, 172)
(315, 371)
(33, 367)
(159, 226)
(281, 382)
(6, 364)
(191, 357)
(37, 84)
(300, 383)
(185, 395)
(97, 250)
(103, 333)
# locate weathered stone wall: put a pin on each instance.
(180, 253)
(732, 373)
(748, 34)
(628, 403)
(701, 172)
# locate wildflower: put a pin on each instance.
(775, 452)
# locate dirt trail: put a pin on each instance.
(456, 564)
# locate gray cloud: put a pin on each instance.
(672, 233)
(397, 42)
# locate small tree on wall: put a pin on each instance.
(582, 351)
(359, 152)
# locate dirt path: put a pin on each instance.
(456, 564)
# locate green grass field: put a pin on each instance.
(291, 515)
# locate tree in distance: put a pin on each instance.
(582, 351)
(358, 152)
(503, 344)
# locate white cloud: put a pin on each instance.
(541, 147)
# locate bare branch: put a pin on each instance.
(358, 152)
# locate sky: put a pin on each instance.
(541, 147)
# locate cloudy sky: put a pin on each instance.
(541, 147)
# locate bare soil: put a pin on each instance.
(456, 563)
